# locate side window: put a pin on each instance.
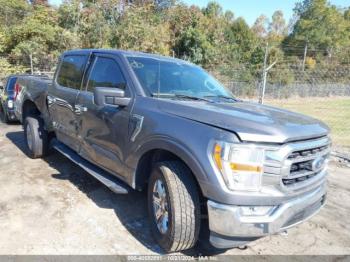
(10, 85)
(71, 71)
(105, 73)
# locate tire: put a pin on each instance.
(182, 205)
(35, 136)
(204, 247)
(3, 116)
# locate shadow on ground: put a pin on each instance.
(130, 209)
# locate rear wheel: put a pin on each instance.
(173, 206)
(35, 136)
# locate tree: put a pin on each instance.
(213, 9)
(39, 2)
(12, 12)
(141, 28)
(278, 26)
(229, 16)
(2, 41)
(259, 27)
(347, 14)
(35, 38)
(8, 68)
(241, 39)
(69, 14)
(321, 25)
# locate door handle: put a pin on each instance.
(78, 109)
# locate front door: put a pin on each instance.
(103, 130)
(62, 97)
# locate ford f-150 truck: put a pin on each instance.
(209, 162)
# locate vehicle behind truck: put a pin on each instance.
(8, 95)
(218, 172)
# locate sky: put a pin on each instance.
(251, 9)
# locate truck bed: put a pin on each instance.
(32, 86)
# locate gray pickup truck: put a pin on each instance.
(218, 171)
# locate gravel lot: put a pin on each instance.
(51, 206)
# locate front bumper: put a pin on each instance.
(11, 114)
(229, 222)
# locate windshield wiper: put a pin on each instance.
(180, 96)
(225, 97)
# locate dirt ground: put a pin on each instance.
(51, 206)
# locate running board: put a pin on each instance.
(112, 182)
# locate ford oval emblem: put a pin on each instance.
(318, 163)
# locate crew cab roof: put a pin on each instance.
(123, 52)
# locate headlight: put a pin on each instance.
(241, 166)
(10, 103)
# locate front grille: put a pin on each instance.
(306, 163)
(290, 181)
(306, 153)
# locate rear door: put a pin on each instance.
(62, 97)
(103, 130)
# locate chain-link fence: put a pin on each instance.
(323, 93)
(28, 64)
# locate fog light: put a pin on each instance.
(256, 210)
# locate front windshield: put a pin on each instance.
(164, 77)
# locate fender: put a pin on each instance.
(171, 145)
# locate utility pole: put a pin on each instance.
(304, 59)
(31, 63)
(264, 74)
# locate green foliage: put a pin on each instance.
(35, 38)
(8, 68)
(278, 27)
(33, 32)
(213, 10)
(242, 41)
(12, 12)
(140, 28)
(2, 41)
(321, 25)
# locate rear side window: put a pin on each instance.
(10, 87)
(105, 73)
(71, 71)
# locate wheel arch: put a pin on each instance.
(162, 150)
(29, 108)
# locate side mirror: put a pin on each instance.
(110, 96)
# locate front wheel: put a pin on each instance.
(173, 206)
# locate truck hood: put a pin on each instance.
(250, 121)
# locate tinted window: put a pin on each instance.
(105, 73)
(11, 84)
(71, 72)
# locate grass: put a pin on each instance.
(334, 111)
